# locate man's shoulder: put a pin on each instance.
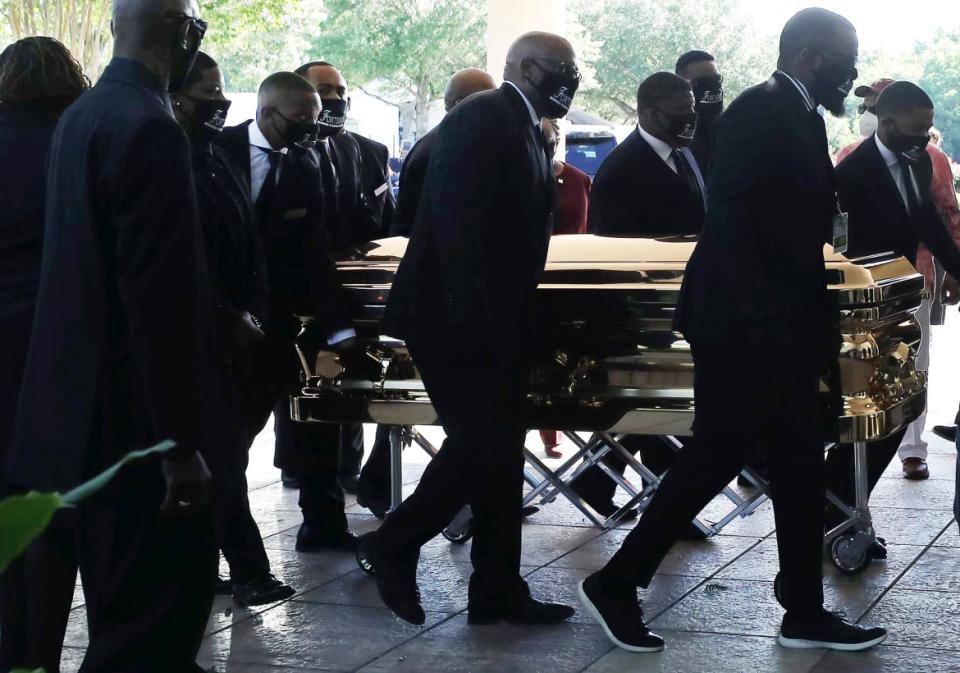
(628, 155)
(370, 144)
(856, 158)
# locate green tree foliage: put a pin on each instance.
(254, 38)
(82, 25)
(624, 41)
(402, 50)
(940, 77)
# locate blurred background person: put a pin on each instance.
(569, 217)
(39, 79)
(122, 299)
(702, 71)
(913, 449)
(238, 284)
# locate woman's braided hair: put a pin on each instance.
(38, 69)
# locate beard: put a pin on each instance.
(835, 103)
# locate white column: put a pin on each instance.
(509, 19)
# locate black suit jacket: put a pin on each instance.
(479, 240)
(412, 174)
(375, 177)
(757, 273)
(879, 221)
(301, 270)
(352, 219)
(635, 193)
(118, 342)
(25, 134)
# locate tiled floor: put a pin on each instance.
(713, 601)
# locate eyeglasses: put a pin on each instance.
(196, 25)
(566, 69)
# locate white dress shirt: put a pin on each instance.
(807, 98)
(259, 159)
(533, 113)
(896, 172)
(663, 150)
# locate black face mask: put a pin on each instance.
(832, 86)
(909, 148)
(556, 88)
(209, 116)
(682, 128)
(333, 117)
(708, 93)
(301, 134)
(182, 57)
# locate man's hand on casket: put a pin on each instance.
(950, 294)
(188, 485)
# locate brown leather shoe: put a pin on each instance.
(915, 469)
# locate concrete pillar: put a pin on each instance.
(509, 19)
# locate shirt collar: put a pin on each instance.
(662, 149)
(257, 139)
(807, 98)
(134, 72)
(888, 154)
(533, 113)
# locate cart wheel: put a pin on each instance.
(846, 560)
(461, 528)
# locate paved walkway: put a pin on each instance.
(713, 601)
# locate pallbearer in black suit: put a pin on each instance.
(119, 348)
(276, 151)
(757, 314)
(463, 84)
(38, 80)
(238, 283)
(373, 487)
(649, 185)
(702, 71)
(884, 185)
(462, 300)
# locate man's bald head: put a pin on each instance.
(151, 31)
(327, 80)
(285, 99)
(282, 87)
(465, 83)
(139, 20)
(544, 67)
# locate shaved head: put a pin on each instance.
(140, 17)
(465, 83)
(150, 32)
(540, 45)
(327, 80)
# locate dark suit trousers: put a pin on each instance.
(147, 578)
(351, 449)
(37, 594)
(737, 406)
(478, 397)
(595, 486)
(310, 449)
(376, 471)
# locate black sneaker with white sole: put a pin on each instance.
(619, 613)
(830, 631)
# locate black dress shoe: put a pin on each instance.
(373, 497)
(609, 508)
(947, 432)
(396, 579)
(312, 539)
(349, 483)
(527, 610)
(529, 510)
(267, 589)
(829, 631)
(691, 533)
(878, 550)
(290, 479)
(618, 612)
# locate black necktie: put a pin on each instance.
(685, 171)
(265, 197)
(913, 200)
(331, 189)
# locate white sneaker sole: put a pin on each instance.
(592, 609)
(801, 644)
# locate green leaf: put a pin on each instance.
(84, 491)
(22, 519)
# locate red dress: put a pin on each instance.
(569, 217)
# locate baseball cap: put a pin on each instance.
(863, 90)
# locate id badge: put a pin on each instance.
(841, 238)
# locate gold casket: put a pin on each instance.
(608, 358)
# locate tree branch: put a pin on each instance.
(378, 97)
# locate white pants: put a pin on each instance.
(913, 445)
